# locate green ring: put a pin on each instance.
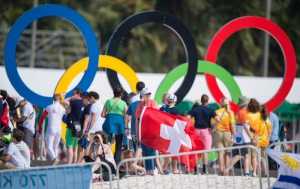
(203, 67)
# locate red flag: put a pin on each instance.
(169, 133)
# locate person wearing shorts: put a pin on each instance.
(224, 132)
(83, 142)
(73, 121)
(202, 115)
(169, 107)
(242, 137)
(261, 127)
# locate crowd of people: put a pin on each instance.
(109, 132)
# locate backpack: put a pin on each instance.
(4, 117)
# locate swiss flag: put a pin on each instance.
(169, 133)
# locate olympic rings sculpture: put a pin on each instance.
(94, 61)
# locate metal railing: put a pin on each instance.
(292, 146)
(130, 177)
(175, 174)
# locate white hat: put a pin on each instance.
(172, 98)
(145, 92)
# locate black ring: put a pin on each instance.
(175, 26)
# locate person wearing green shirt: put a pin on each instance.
(114, 112)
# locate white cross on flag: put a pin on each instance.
(168, 133)
(176, 135)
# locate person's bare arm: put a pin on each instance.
(125, 111)
(19, 118)
(248, 131)
(93, 118)
(85, 123)
(5, 158)
(90, 152)
(104, 112)
(232, 123)
(125, 117)
(127, 120)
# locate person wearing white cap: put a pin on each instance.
(169, 107)
(146, 101)
(26, 120)
(165, 99)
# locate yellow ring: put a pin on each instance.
(109, 62)
(81, 65)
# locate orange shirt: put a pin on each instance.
(226, 120)
(261, 128)
(241, 116)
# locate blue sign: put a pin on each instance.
(61, 177)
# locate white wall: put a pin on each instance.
(43, 81)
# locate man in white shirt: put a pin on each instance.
(13, 158)
(96, 121)
(18, 137)
(55, 113)
(27, 120)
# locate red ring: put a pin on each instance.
(277, 33)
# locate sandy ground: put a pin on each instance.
(186, 182)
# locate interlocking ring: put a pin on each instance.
(17, 29)
(189, 70)
(108, 62)
(171, 23)
(277, 33)
(203, 67)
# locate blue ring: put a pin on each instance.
(13, 36)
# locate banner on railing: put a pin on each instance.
(60, 177)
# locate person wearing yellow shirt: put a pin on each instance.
(224, 132)
(261, 129)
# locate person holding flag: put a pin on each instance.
(147, 150)
(170, 107)
(167, 133)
